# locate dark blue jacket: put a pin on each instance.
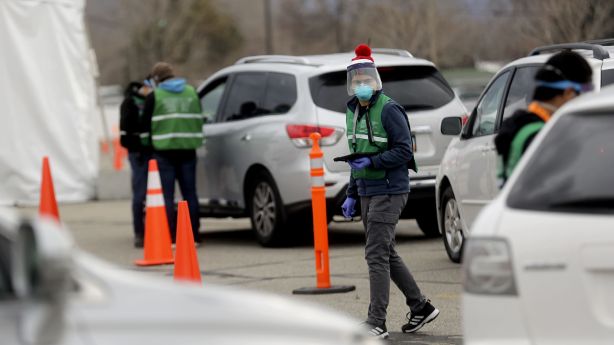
(395, 159)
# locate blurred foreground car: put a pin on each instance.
(466, 181)
(260, 112)
(51, 293)
(538, 266)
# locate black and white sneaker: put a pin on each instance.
(376, 331)
(427, 314)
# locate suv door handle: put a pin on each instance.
(487, 148)
(246, 137)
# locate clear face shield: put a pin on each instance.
(362, 76)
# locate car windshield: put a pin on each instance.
(572, 169)
(414, 87)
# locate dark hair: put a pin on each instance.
(162, 71)
(132, 88)
(566, 65)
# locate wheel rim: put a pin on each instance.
(452, 226)
(263, 209)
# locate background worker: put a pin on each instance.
(173, 115)
(562, 78)
(378, 125)
(139, 152)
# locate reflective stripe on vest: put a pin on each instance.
(177, 122)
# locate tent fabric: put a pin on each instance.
(47, 101)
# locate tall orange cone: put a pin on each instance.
(47, 205)
(186, 260)
(320, 225)
(158, 249)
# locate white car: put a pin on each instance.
(52, 294)
(260, 112)
(538, 266)
(466, 181)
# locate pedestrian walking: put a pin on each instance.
(562, 78)
(139, 152)
(379, 136)
(173, 116)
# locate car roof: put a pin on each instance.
(593, 101)
(542, 58)
(323, 62)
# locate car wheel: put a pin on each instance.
(266, 210)
(427, 221)
(453, 238)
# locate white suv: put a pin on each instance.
(260, 112)
(466, 179)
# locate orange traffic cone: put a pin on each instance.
(119, 154)
(186, 260)
(157, 236)
(47, 205)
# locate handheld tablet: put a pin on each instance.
(353, 156)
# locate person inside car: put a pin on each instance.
(562, 78)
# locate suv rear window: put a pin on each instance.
(414, 87)
(571, 171)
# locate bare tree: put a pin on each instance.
(431, 29)
(191, 34)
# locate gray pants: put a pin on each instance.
(380, 215)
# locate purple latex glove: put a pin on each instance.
(348, 207)
(360, 163)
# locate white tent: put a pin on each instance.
(47, 101)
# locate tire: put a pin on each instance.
(453, 238)
(427, 221)
(266, 211)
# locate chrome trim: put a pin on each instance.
(421, 183)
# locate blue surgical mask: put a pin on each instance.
(363, 92)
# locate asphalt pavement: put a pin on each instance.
(230, 255)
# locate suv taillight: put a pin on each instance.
(487, 267)
(464, 119)
(299, 134)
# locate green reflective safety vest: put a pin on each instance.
(177, 122)
(360, 143)
(505, 169)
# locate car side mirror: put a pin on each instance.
(42, 276)
(451, 125)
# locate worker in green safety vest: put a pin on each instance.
(174, 119)
(379, 136)
(562, 78)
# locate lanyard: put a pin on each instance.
(369, 129)
(540, 111)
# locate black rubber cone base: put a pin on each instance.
(321, 291)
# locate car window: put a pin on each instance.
(280, 93)
(607, 77)
(245, 97)
(211, 97)
(414, 87)
(487, 108)
(571, 170)
(521, 90)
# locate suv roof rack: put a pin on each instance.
(602, 42)
(391, 51)
(299, 60)
(598, 51)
